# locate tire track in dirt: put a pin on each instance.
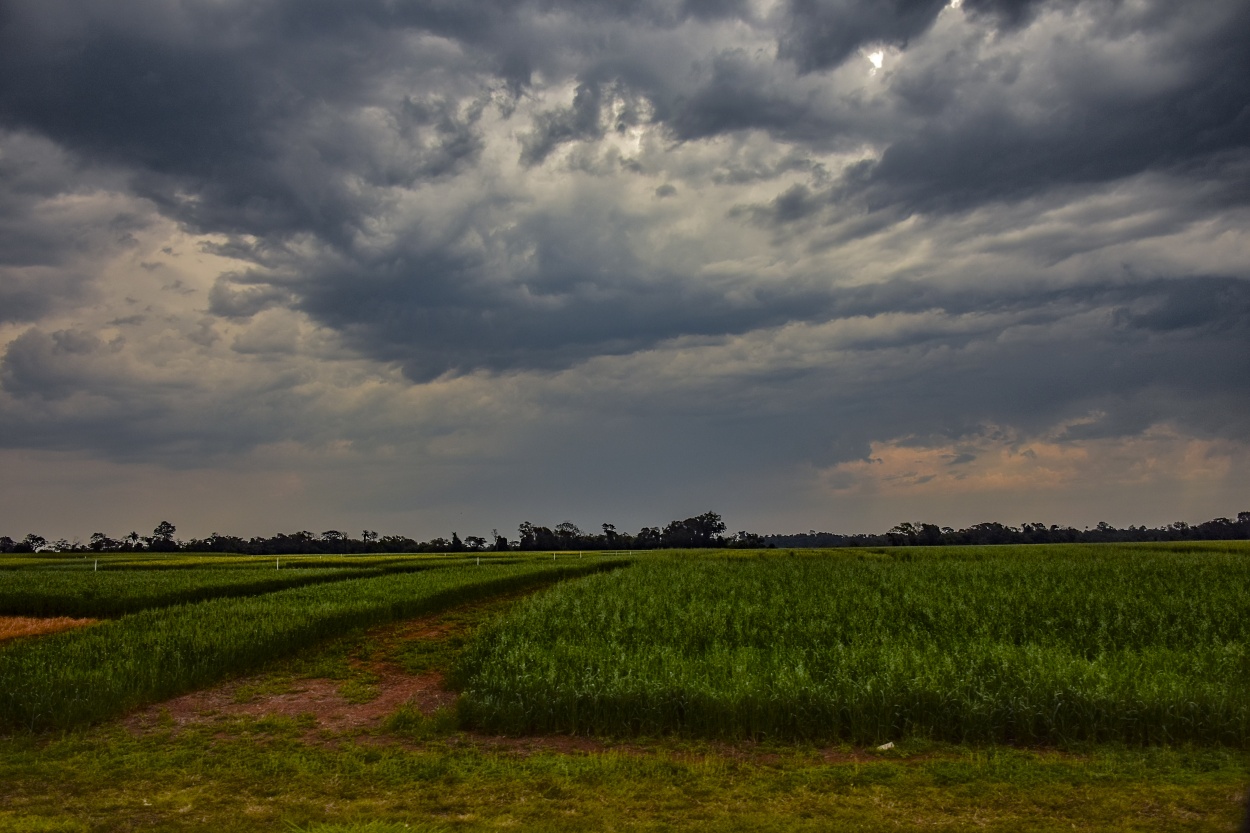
(321, 700)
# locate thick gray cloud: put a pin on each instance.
(800, 230)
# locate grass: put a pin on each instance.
(989, 644)
(84, 676)
(123, 584)
(115, 593)
(263, 776)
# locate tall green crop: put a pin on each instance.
(114, 592)
(87, 675)
(121, 587)
(996, 644)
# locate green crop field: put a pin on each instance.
(114, 593)
(58, 562)
(989, 644)
(77, 677)
(119, 586)
(1047, 688)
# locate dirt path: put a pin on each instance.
(318, 698)
(326, 703)
(330, 714)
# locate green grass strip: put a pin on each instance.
(107, 594)
(114, 591)
(84, 676)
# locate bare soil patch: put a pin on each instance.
(318, 698)
(16, 627)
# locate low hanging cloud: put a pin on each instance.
(813, 231)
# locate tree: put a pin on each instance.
(700, 531)
(537, 537)
(649, 538)
(707, 526)
(746, 540)
(567, 533)
(163, 537)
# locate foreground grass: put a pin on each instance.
(263, 775)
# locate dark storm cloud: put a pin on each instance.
(230, 300)
(820, 34)
(249, 120)
(43, 265)
(579, 121)
(434, 314)
(226, 116)
(743, 94)
(1098, 129)
(47, 365)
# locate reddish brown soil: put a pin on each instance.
(316, 698)
(15, 627)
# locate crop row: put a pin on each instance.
(115, 592)
(233, 563)
(1004, 644)
(88, 675)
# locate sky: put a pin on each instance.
(423, 266)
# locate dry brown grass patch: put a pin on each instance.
(15, 627)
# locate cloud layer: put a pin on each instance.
(493, 261)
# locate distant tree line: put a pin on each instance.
(702, 531)
(931, 535)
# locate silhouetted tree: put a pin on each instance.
(648, 538)
(700, 531)
(567, 534)
(100, 542)
(163, 537)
